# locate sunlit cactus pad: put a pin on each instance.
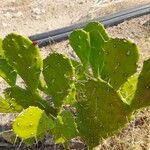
(32, 123)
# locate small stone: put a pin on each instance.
(8, 15)
(18, 14)
(4, 24)
(38, 11)
(36, 17)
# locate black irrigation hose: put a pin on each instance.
(46, 38)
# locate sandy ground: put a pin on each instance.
(28, 17)
(34, 16)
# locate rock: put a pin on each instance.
(18, 14)
(38, 11)
(77, 144)
(36, 17)
(8, 15)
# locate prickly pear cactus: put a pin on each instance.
(1, 49)
(58, 73)
(80, 42)
(5, 106)
(119, 55)
(98, 36)
(142, 94)
(65, 128)
(97, 116)
(24, 57)
(103, 88)
(6, 71)
(32, 123)
(20, 99)
(97, 54)
(128, 89)
(96, 26)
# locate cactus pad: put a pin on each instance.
(120, 62)
(100, 112)
(24, 57)
(65, 127)
(32, 123)
(80, 42)
(98, 36)
(1, 49)
(142, 94)
(97, 53)
(5, 106)
(21, 99)
(98, 27)
(58, 74)
(7, 72)
(127, 90)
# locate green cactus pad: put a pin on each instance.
(97, 53)
(7, 72)
(142, 95)
(71, 98)
(80, 42)
(127, 90)
(65, 127)
(58, 73)
(100, 112)
(1, 49)
(21, 99)
(5, 106)
(98, 36)
(32, 123)
(42, 86)
(121, 57)
(24, 56)
(98, 27)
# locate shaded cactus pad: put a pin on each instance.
(142, 94)
(100, 112)
(7, 72)
(58, 73)
(65, 127)
(20, 99)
